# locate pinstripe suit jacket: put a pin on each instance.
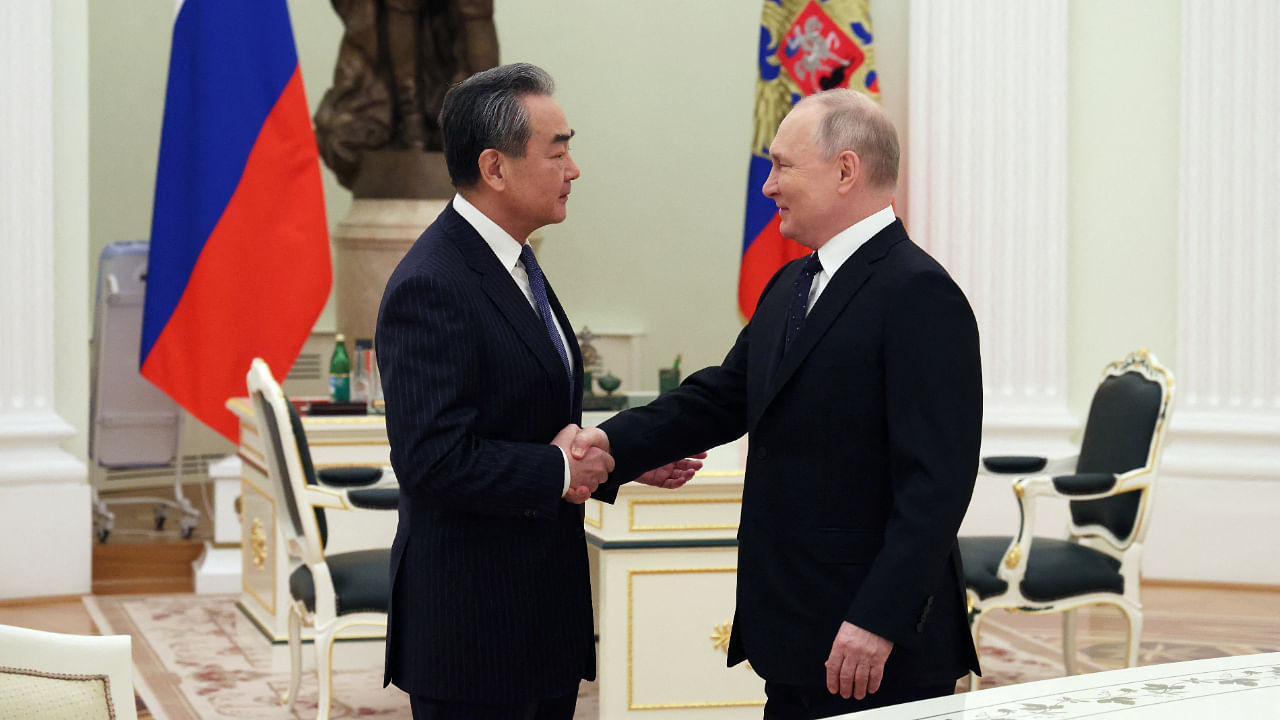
(490, 593)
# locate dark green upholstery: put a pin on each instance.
(1117, 439)
(345, 477)
(1084, 483)
(308, 469)
(1021, 464)
(375, 498)
(361, 581)
(1056, 569)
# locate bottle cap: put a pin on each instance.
(339, 337)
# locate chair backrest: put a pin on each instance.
(1123, 432)
(285, 462)
(52, 675)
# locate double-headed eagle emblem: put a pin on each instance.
(807, 46)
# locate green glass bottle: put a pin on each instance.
(340, 372)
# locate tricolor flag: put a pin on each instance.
(805, 46)
(239, 264)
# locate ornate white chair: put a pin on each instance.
(45, 675)
(1108, 486)
(330, 593)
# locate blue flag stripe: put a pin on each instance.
(231, 60)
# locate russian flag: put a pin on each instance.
(804, 48)
(239, 261)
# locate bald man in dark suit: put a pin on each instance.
(858, 380)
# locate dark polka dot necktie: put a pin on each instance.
(800, 298)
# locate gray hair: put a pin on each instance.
(853, 121)
(487, 111)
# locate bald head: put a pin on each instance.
(853, 121)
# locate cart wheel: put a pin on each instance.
(102, 535)
(186, 532)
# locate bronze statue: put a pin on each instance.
(397, 59)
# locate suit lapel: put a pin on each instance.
(497, 283)
(850, 278)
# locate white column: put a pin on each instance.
(45, 524)
(1220, 491)
(1228, 264)
(987, 181)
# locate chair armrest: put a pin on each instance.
(375, 498)
(325, 498)
(1014, 464)
(346, 477)
(1085, 483)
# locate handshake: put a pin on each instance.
(587, 450)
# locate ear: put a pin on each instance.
(849, 166)
(492, 169)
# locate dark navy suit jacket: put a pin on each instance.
(490, 590)
(863, 453)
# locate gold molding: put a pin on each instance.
(720, 635)
(631, 514)
(631, 703)
(258, 543)
(244, 576)
(593, 522)
(258, 459)
(1012, 557)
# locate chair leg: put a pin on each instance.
(324, 672)
(1069, 641)
(295, 657)
(1135, 634)
(975, 621)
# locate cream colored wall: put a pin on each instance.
(1123, 186)
(660, 93)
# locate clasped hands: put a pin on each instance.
(590, 463)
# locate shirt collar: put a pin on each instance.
(844, 243)
(498, 240)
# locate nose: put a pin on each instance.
(770, 188)
(572, 172)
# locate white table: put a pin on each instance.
(1239, 688)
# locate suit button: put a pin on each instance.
(762, 453)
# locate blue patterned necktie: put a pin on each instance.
(800, 298)
(538, 284)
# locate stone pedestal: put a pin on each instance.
(368, 244)
(397, 194)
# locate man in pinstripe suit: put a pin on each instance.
(490, 611)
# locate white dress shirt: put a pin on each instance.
(843, 245)
(507, 249)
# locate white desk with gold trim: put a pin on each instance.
(663, 567)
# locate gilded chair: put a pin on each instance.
(1108, 487)
(52, 675)
(329, 592)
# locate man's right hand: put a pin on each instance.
(588, 467)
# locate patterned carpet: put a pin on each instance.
(198, 657)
